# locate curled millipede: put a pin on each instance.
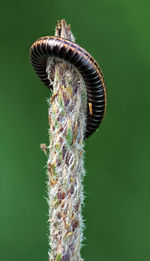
(52, 46)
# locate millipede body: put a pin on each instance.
(52, 46)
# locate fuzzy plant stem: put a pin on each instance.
(67, 120)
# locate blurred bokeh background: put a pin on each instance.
(117, 158)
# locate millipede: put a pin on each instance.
(52, 46)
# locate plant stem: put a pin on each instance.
(67, 118)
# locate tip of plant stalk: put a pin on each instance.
(64, 31)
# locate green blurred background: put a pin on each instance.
(117, 204)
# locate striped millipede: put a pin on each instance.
(90, 71)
